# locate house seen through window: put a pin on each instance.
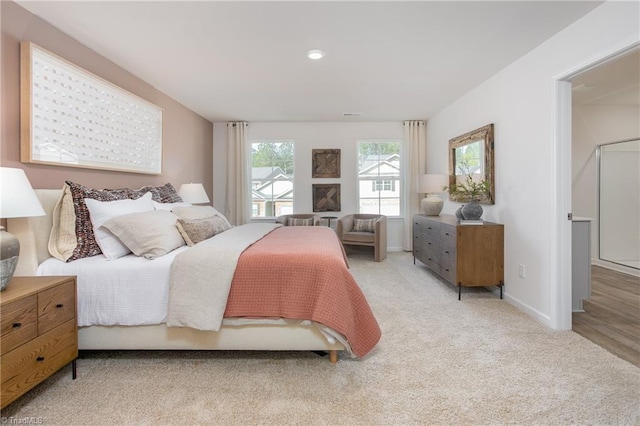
(271, 178)
(379, 185)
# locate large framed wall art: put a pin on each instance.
(71, 117)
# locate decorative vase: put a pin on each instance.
(472, 210)
(459, 213)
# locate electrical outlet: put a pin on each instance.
(521, 271)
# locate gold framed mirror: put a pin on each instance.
(471, 159)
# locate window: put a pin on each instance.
(271, 178)
(384, 185)
(379, 186)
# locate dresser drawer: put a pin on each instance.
(448, 235)
(18, 321)
(432, 229)
(55, 306)
(26, 366)
(448, 273)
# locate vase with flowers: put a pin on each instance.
(471, 191)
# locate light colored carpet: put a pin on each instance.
(440, 361)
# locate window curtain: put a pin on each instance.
(237, 209)
(415, 144)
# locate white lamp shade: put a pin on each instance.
(17, 197)
(431, 183)
(193, 193)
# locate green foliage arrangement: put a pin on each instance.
(469, 189)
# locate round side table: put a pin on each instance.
(329, 218)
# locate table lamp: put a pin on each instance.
(17, 199)
(193, 193)
(431, 184)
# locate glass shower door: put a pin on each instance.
(619, 202)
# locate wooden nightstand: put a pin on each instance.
(39, 332)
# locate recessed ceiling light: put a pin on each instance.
(315, 54)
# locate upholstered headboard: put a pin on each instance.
(33, 233)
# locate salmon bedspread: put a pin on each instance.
(300, 272)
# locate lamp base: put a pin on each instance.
(432, 205)
(9, 253)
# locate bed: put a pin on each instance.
(241, 328)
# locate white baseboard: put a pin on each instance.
(532, 312)
(616, 267)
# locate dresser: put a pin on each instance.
(39, 332)
(463, 255)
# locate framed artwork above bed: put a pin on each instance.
(71, 117)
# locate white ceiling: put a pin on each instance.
(390, 60)
(616, 82)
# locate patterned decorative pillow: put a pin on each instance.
(365, 225)
(198, 212)
(195, 230)
(161, 194)
(86, 241)
(149, 234)
(72, 234)
(292, 221)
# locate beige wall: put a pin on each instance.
(188, 138)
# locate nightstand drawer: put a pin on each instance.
(18, 322)
(55, 306)
(28, 365)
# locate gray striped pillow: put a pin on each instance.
(364, 225)
(300, 222)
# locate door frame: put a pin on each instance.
(561, 247)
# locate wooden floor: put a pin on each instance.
(612, 314)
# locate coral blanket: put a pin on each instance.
(300, 272)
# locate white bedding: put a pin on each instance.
(104, 298)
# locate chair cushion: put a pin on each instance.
(359, 237)
(365, 225)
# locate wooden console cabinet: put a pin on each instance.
(463, 255)
(39, 332)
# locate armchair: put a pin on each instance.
(284, 219)
(375, 237)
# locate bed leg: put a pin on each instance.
(333, 356)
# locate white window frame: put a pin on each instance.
(401, 180)
(250, 183)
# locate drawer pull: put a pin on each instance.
(17, 324)
(429, 243)
(428, 227)
(40, 359)
(446, 251)
(447, 270)
(59, 305)
(446, 233)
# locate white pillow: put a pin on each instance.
(101, 211)
(169, 206)
(148, 234)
